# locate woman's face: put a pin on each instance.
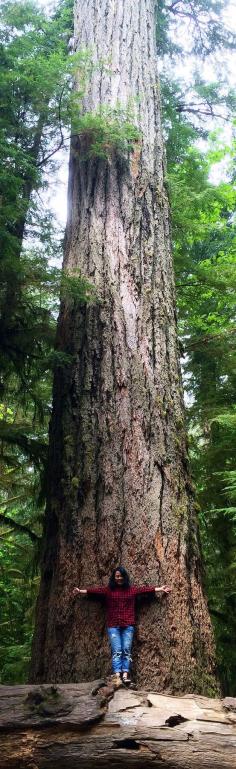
(119, 579)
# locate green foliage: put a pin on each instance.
(19, 587)
(35, 84)
(204, 238)
(74, 286)
(105, 132)
(202, 20)
(32, 70)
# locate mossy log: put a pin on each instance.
(89, 725)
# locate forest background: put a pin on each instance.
(38, 109)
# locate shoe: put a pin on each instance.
(116, 680)
(126, 680)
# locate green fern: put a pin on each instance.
(106, 131)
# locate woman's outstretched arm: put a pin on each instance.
(152, 589)
(89, 591)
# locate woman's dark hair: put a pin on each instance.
(113, 584)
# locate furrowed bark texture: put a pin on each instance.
(120, 488)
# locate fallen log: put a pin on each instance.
(89, 725)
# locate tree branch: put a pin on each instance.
(208, 338)
(6, 520)
(199, 111)
(61, 143)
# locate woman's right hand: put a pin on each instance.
(76, 591)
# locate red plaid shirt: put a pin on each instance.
(120, 603)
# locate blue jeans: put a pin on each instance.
(121, 643)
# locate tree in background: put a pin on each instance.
(35, 104)
(203, 228)
(32, 83)
(206, 288)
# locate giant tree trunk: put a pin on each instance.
(120, 489)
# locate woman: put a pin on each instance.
(120, 606)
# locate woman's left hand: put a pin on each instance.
(163, 589)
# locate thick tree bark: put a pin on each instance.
(84, 725)
(119, 482)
